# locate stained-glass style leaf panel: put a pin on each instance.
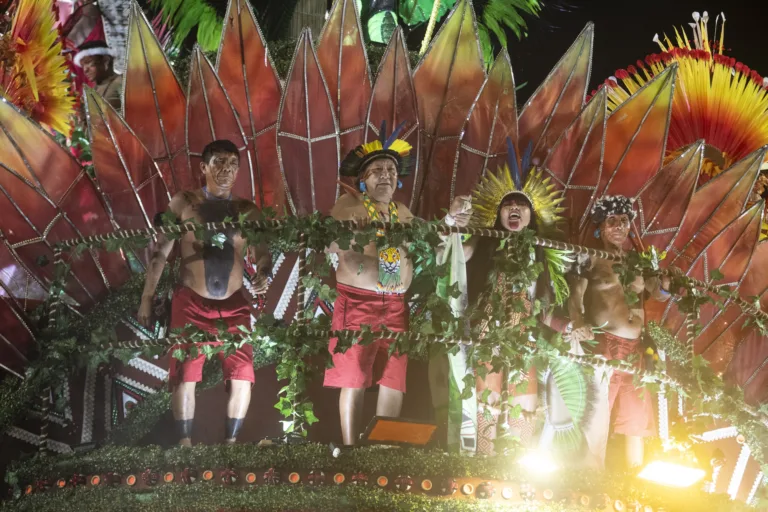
(447, 81)
(248, 75)
(713, 206)
(576, 161)
(730, 252)
(20, 286)
(308, 144)
(342, 57)
(635, 137)
(210, 117)
(491, 120)
(154, 103)
(749, 367)
(393, 101)
(45, 207)
(130, 180)
(737, 257)
(727, 336)
(559, 98)
(25, 232)
(663, 202)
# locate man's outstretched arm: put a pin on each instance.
(162, 248)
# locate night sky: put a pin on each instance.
(624, 33)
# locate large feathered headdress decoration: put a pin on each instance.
(725, 101)
(388, 147)
(523, 179)
(33, 71)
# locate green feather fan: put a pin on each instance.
(573, 388)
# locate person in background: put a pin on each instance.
(96, 60)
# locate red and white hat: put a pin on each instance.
(91, 48)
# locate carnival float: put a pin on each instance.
(84, 405)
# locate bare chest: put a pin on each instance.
(603, 276)
(212, 212)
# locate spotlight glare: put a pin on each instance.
(671, 474)
(538, 462)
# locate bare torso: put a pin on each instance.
(210, 271)
(361, 270)
(606, 306)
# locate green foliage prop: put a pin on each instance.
(298, 349)
(416, 12)
(495, 17)
(372, 461)
(184, 15)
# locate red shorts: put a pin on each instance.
(631, 407)
(355, 367)
(187, 307)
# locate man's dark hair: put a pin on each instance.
(219, 147)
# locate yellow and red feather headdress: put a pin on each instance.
(35, 76)
(716, 99)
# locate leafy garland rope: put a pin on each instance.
(295, 224)
(295, 344)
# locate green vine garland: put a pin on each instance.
(79, 342)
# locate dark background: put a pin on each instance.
(623, 31)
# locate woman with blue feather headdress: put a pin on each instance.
(517, 197)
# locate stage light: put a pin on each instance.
(672, 473)
(538, 461)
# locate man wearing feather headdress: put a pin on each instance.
(371, 284)
(598, 299)
(513, 201)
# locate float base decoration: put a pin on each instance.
(72, 321)
(308, 477)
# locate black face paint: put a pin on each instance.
(233, 427)
(218, 263)
(184, 428)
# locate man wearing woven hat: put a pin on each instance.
(96, 59)
(598, 299)
(371, 284)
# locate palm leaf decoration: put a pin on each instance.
(494, 18)
(183, 16)
(559, 262)
(416, 12)
(497, 16)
